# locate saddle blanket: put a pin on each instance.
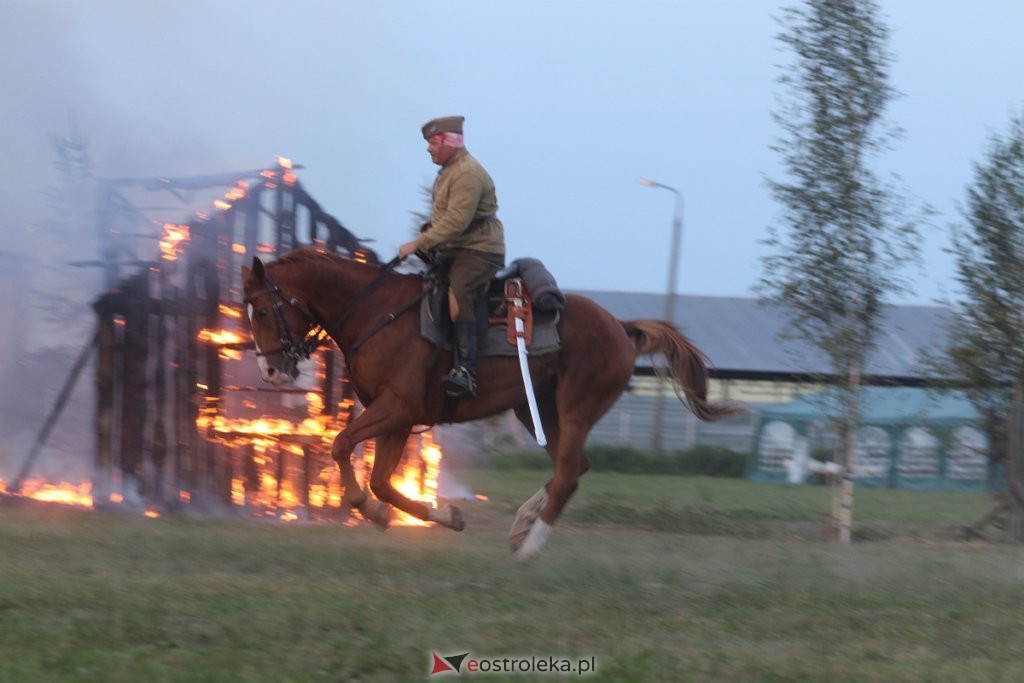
(499, 340)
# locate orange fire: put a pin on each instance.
(229, 311)
(419, 481)
(237, 192)
(62, 492)
(171, 241)
(221, 337)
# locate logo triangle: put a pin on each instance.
(456, 660)
(440, 665)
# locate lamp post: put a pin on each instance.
(670, 299)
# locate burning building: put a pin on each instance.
(181, 418)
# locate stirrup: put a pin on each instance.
(460, 383)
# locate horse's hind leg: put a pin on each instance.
(530, 510)
(546, 505)
(582, 397)
(390, 448)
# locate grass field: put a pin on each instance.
(658, 578)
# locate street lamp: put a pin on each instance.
(670, 298)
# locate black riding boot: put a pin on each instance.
(461, 381)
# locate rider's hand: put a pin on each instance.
(406, 249)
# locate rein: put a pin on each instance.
(319, 332)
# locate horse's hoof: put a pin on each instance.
(458, 521)
(449, 516)
(525, 518)
(531, 546)
(377, 512)
(515, 541)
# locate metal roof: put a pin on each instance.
(743, 336)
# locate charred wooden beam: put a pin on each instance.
(158, 339)
(105, 343)
(133, 380)
(55, 412)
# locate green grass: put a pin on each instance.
(101, 597)
(730, 506)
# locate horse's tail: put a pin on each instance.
(686, 364)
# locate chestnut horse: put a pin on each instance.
(370, 313)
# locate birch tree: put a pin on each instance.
(986, 353)
(841, 238)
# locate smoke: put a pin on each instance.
(86, 95)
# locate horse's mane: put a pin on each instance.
(314, 255)
(317, 260)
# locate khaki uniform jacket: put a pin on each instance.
(464, 207)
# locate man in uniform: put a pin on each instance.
(465, 231)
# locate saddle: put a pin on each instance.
(497, 312)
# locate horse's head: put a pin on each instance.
(280, 324)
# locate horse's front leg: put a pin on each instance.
(374, 421)
(352, 493)
(390, 448)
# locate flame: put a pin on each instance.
(219, 336)
(289, 178)
(265, 426)
(237, 192)
(222, 337)
(315, 403)
(284, 162)
(221, 204)
(238, 492)
(62, 492)
(171, 241)
(271, 477)
(229, 311)
(238, 248)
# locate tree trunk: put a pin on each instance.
(1015, 466)
(842, 495)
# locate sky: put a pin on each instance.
(566, 103)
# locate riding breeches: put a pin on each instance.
(471, 271)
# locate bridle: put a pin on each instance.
(317, 332)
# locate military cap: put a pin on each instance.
(445, 124)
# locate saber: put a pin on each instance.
(524, 367)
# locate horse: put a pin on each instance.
(370, 312)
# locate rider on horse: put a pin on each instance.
(466, 235)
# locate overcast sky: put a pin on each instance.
(565, 104)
